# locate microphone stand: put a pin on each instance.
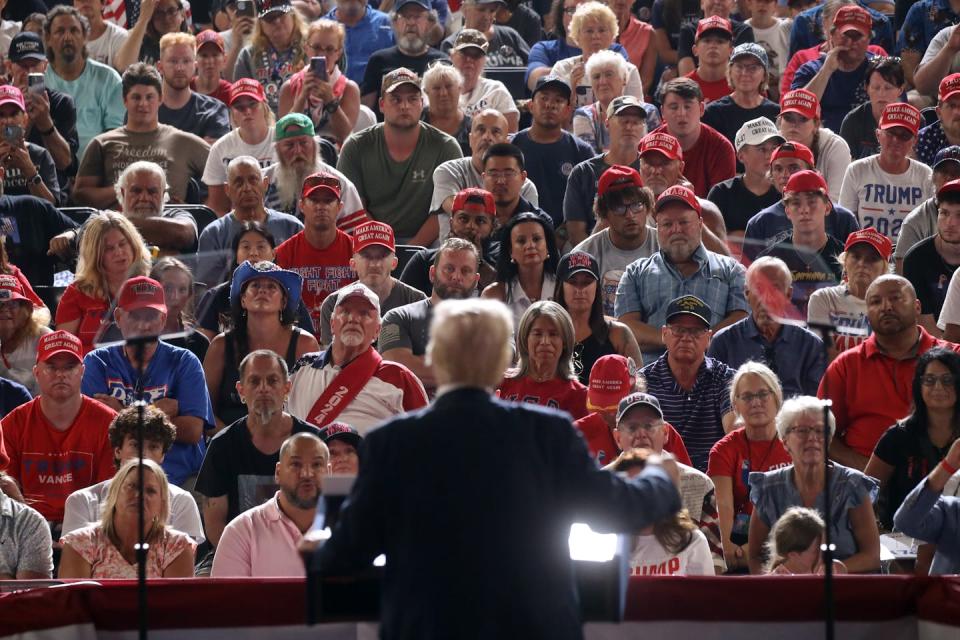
(139, 345)
(827, 547)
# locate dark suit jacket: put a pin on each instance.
(471, 499)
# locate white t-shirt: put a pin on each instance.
(776, 40)
(583, 93)
(837, 307)
(104, 48)
(488, 94)
(8, 29)
(882, 200)
(936, 45)
(613, 261)
(231, 146)
(950, 313)
(649, 558)
(832, 161)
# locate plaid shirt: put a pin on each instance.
(649, 284)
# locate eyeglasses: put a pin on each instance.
(167, 13)
(747, 68)
(687, 332)
(807, 432)
(946, 380)
(621, 210)
(631, 429)
(502, 176)
(748, 397)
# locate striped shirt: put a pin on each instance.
(696, 414)
(649, 284)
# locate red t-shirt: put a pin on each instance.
(90, 311)
(734, 456)
(709, 161)
(566, 395)
(713, 90)
(222, 93)
(604, 448)
(323, 270)
(51, 464)
(871, 391)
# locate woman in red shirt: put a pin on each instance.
(545, 375)
(756, 396)
(111, 250)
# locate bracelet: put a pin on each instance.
(48, 131)
(946, 467)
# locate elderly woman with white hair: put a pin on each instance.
(853, 527)
(594, 29)
(607, 73)
(443, 85)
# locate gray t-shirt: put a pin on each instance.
(920, 224)
(213, 254)
(614, 261)
(453, 176)
(407, 327)
(401, 294)
(25, 543)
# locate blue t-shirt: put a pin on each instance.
(771, 226)
(171, 373)
(924, 19)
(845, 90)
(97, 97)
(12, 395)
(807, 30)
(547, 53)
(549, 165)
(372, 33)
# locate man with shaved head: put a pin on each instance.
(871, 384)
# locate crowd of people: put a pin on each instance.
(700, 219)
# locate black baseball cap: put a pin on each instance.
(26, 45)
(691, 306)
(577, 262)
(551, 81)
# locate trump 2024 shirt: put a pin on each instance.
(882, 200)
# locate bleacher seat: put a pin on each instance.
(202, 214)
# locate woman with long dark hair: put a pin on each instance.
(578, 292)
(526, 264)
(910, 449)
(263, 302)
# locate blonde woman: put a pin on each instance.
(332, 102)
(107, 550)
(276, 51)
(111, 250)
(443, 85)
(593, 28)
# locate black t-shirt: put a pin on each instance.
(12, 395)
(462, 135)
(234, 467)
(195, 342)
(859, 129)
(29, 224)
(929, 274)
(15, 181)
(526, 22)
(811, 271)
(203, 116)
(738, 204)
(726, 116)
(386, 60)
(913, 457)
(741, 33)
(64, 115)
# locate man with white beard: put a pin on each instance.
(298, 156)
(350, 382)
(238, 470)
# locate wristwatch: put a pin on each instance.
(331, 107)
(36, 180)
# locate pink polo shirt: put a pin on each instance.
(260, 542)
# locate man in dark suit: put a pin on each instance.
(471, 499)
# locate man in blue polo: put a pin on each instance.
(681, 266)
(368, 30)
(172, 378)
